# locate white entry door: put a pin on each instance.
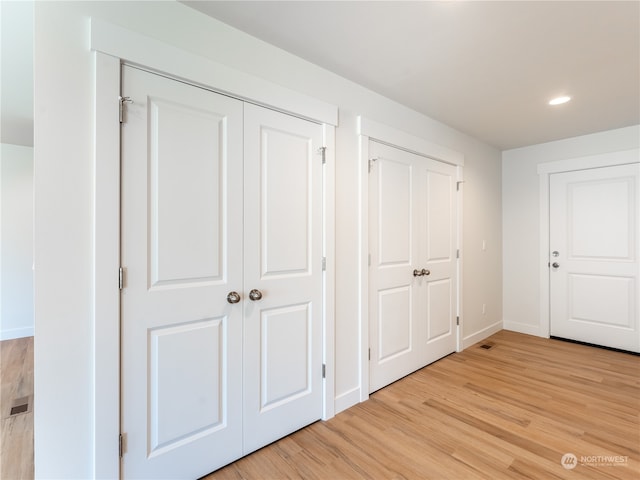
(594, 243)
(210, 372)
(412, 273)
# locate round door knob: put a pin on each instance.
(255, 295)
(424, 271)
(555, 264)
(233, 297)
(416, 273)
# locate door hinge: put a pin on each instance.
(371, 161)
(458, 253)
(457, 320)
(369, 259)
(458, 185)
(120, 278)
(120, 445)
(369, 354)
(122, 101)
(324, 370)
(323, 151)
(324, 264)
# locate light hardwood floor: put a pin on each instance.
(512, 411)
(16, 434)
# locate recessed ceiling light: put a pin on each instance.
(559, 100)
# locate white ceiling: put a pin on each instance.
(485, 68)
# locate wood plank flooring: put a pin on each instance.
(511, 411)
(16, 431)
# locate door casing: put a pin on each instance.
(112, 46)
(544, 172)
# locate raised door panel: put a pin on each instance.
(181, 250)
(395, 323)
(394, 222)
(186, 183)
(186, 392)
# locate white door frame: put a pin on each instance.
(371, 130)
(545, 170)
(113, 45)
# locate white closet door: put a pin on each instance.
(438, 245)
(182, 209)
(412, 275)
(595, 241)
(394, 239)
(283, 263)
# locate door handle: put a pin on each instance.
(421, 273)
(255, 295)
(555, 264)
(233, 297)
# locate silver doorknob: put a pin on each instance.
(233, 297)
(417, 273)
(555, 264)
(255, 295)
(425, 272)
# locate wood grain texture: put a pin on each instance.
(511, 411)
(16, 432)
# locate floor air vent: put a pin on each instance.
(487, 346)
(19, 405)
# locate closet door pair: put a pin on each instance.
(413, 266)
(221, 250)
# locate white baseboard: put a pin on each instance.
(481, 335)
(16, 333)
(347, 399)
(526, 328)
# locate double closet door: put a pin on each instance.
(222, 256)
(413, 265)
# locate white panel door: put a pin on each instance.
(412, 273)
(283, 266)
(438, 246)
(594, 242)
(182, 211)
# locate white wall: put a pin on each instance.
(16, 241)
(64, 194)
(16, 72)
(521, 218)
